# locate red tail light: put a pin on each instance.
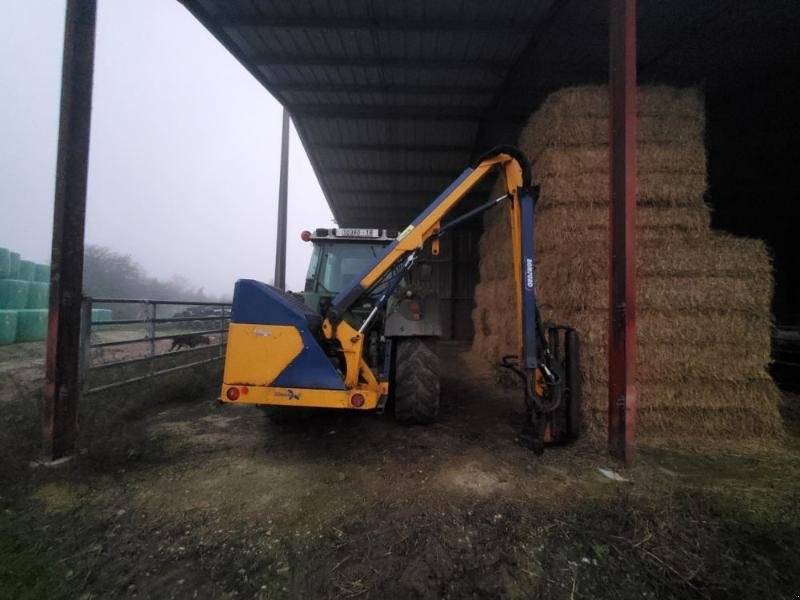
(357, 400)
(414, 309)
(305, 236)
(232, 394)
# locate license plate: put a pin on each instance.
(365, 233)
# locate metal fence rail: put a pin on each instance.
(191, 326)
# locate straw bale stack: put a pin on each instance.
(703, 300)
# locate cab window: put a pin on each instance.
(340, 263)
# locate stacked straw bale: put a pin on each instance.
(703, 303)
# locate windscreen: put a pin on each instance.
(334, 265)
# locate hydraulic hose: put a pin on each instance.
(514, 153)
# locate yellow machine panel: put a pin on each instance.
(368, 399)
(262, 352)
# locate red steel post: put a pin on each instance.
(622, 292)
(59, 407)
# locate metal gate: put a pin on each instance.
(136, 345)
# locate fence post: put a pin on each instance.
(151, 312)
(85, 344)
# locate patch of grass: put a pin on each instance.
(27, 572)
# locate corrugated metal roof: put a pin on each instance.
(392, 99)
(388, 97)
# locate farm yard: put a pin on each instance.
(538, 336)
(177, 496)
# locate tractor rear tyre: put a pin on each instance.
(416, 381)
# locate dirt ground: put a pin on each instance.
(185, 498)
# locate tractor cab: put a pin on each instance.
(338, 257)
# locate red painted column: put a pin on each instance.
(59, 407)
(622, 272)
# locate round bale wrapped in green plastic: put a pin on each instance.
(13, 293)
(5, 263)
(31, 325)
(14, 259)
(8, 326)
(26, 270)
(42, 273)
(38, 295)
(101, 314)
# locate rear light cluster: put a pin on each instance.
(414, 310)
(234, 392)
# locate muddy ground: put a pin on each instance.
(184, 498)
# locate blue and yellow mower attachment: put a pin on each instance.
(274, 357)
(280, 352)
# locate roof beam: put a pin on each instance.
(405, 205)
(399, 146)
(366, 209)
(392, 172)
(274, 59)
(499, 26)
(339, 192)
(394, 88)
(387, 112)
(393, 221)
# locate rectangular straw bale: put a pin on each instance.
(652, 101)
(548, 238)
(694, 218)
(495, 293)
(696, 424)
(496, 265)
(714, 255)
(678, 327)
(580, 116)
(718, 274)
(669, 363)
(747, 408)
(574, 160)
(557, 225)
(698, 394)
(593, 130)
(723, 293)
(580, 190)
(561, 225)
(702, 423)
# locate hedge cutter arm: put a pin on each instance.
(533, 363)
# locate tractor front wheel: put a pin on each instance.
(416, 380)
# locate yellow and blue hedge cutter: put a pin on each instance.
(363, 333)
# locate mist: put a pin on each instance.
(184, 156)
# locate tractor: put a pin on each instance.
(363, 333)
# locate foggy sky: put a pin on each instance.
(184, 157)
